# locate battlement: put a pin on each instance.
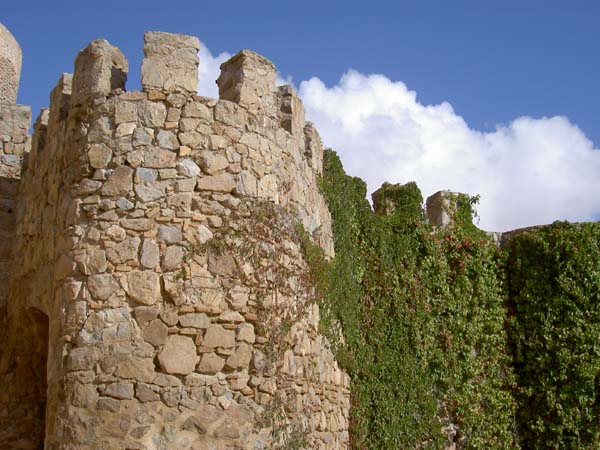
(157, 279)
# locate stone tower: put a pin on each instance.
(10, 66)
(155, 295)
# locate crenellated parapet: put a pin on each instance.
(156, 234)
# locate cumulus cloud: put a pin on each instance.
(527, 172)
(208, 71)
(530, 171)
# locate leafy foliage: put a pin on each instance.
(554, 283)
(417, 318)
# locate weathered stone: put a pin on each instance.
(167, 139)
(212, 162)
(188, 168)
(231, 316)
(228, 429)
(169, 234)
(99, 69)
(194, 320)
(240, 358)
(94, 262)
(178, 355)
(172, 258)
(181, 202)
(245, 333)
(158, 158)
(122, 391)
(203, 234)
(197, 109)
(191, 139)
(153, 114)
(219, 183)
(125, 129)
(108, 404)
(156, 333)
(99, 155)
(145, 394)
(126, 112)
(140, 369)
(211, 363)
(143, 286)
(145, 314)
(124, 251)
(141, 137)
(87, 186)
(83, 358)
(124, 204)
(170, 63)
(217, 336)
(150, 254)
(441, 207)
(137, 224)
(142, 198)
(222, 263)
(249, 80)
(102, 286)
(193, 424)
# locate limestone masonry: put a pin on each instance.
(153, 294)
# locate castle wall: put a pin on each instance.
(16, 422)
(156, 231)
(14, 142)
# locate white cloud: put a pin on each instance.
(208, 71)
(530, 171)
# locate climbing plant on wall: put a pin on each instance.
(417, 318)
(554, 291)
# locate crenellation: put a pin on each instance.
(100, 69)
(441, 208)
(292, 114)
(248, 79)
(170, 63)
(155, 233)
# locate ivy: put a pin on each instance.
(554, 284)
(450, 339)
(417, 320)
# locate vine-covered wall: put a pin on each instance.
(446, 336)
(554, 292)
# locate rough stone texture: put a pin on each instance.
(99, 69)
(248, 79)
(137, 318)
(170, 63)
(440, 208)
(10, 66)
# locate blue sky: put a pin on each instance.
(493, 62)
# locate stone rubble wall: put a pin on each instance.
(14, 143)
(156, 243)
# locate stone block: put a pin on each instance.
(248, 79)
(178, 355)
(99, 69)
(441, 208)
(170, 62)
